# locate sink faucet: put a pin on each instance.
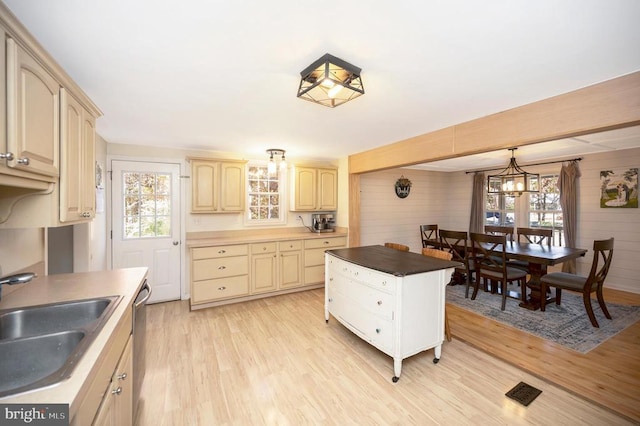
(24, 277)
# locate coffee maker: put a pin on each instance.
(322, 222)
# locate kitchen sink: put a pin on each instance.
(42, 359)
(51, 318)
(40, 345)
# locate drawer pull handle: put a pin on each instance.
(222, 288)
(222, 267)
(117, 391)
(378, 330)
(379, 302)
(122, 376)
(222, 251)
(325, 242)
(6, 156)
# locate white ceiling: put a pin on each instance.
(222, 75)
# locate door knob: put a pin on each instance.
(175, 243)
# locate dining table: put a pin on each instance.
(539, 257)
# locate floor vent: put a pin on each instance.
(523, 393)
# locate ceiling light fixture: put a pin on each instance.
(272, 162)
(513, 180)
(330, 81)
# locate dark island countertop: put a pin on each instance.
(391, 261)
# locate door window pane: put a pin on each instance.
(147, 208)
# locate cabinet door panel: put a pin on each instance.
(223, 288)
(291, 269)
(88, 162)
(33, 113)
(327, 189)
(71, 153)
(232, 187)
(263, 273)
(204, 177)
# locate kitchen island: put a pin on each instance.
(391, 299)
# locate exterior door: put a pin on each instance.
(146, 223)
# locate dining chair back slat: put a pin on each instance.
(500, 230)
(541, 236)
(428, 234)
(594, 282)
(397, 246)
(488, 255)
(457, 244)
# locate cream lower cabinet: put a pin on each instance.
(276, 265)
(117, 405)
(314, 257)
(219, 272)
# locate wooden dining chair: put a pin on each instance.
(456, 243)
(428, 234)
(500, 230)
(490, 263)
(542, 236)
(602, 255)
(444, 255)
(397, 246)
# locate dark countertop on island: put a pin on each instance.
(391, 261)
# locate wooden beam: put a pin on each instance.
(604, 106)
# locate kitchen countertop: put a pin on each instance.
(392, 261)
(65, 287)
(205, 239)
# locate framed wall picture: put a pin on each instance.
(619, 188)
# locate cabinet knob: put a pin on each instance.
(330, 299)
(24, 161)
(6, 155)
(117, 391)
(122, 376)
(325, 242)
(379, 302)
(222, 267)
(264, 248)
(378, 330)
(222, 288)
(222, 251)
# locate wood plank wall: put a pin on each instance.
(445, 199)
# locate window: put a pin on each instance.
(536, 210)
(265, 195)
(500, 210)
(147, 205)
(544, 208)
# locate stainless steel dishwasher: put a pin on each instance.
(139, 342)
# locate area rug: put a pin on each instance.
(567, 324)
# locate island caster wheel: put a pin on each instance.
(395, 379)
(435, 360)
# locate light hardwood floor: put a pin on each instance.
(276, 362)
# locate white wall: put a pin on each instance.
(445, 199)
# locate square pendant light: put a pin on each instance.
(330, 81)
(513, 180)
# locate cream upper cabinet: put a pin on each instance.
(217, 186)
(33, 115)
(77, 177)
(314, 189)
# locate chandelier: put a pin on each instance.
(272, 162)
(513, 180)
(330, 81)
